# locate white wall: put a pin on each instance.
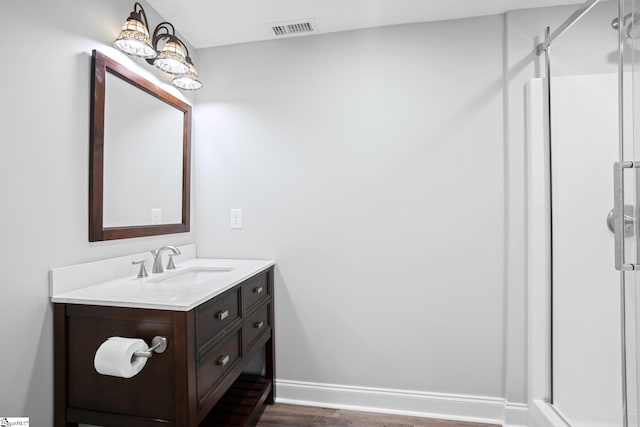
(44, 154)
(369, 164)
(300, 133)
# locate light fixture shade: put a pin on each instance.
(172, 59)
(188, 81)
(134, 39)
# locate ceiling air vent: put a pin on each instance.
(300, 27)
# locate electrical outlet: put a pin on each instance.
(236, 218)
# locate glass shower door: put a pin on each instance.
(629, 42)
(586, 351)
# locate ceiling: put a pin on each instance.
(208, 23)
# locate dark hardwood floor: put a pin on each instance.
(301, 416)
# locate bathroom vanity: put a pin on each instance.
(217, 315)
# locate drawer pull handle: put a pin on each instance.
(258, 325)
(223, 360)
(222, 315)
(257, 290)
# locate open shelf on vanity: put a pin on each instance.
(242, 404)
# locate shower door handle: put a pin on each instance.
(619, 214)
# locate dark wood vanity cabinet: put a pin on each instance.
(197, 381)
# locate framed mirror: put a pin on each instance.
(140, 156)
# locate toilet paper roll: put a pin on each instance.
(115, 357)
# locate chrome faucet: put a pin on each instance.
(157, 258)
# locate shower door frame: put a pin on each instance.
(545, 48)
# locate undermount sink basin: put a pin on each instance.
(192, 276)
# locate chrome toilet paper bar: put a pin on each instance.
(158, 345)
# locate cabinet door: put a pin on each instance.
(149, 394)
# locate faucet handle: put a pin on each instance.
(143, 270)
(170, 264)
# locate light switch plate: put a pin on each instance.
(236, 218)
(156, 216)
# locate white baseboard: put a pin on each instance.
(516, 414)
(403, 402)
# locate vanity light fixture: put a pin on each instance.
(134, 36)
(173, 58)
(189, 81)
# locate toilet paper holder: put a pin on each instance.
(158, 345)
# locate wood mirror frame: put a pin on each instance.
(101, 65)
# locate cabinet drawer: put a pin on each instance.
(255, 290)
(215, 315)
(257, 324)
(216, 362)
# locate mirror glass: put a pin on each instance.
(140, 156)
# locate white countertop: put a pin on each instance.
(156, 292)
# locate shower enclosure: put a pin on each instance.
(583, 230)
